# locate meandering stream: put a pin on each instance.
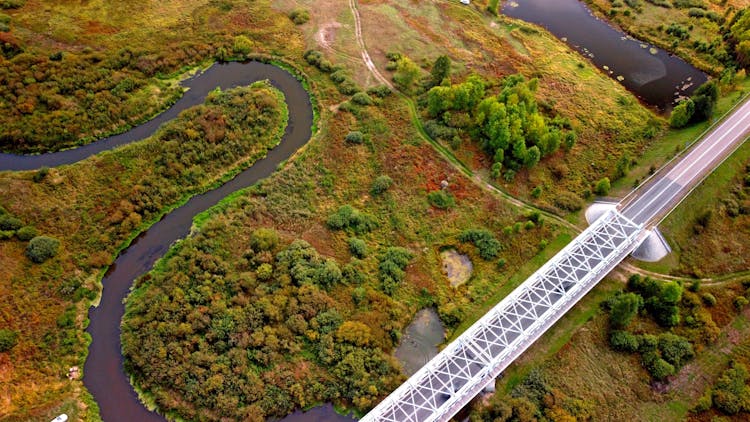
(652, 74)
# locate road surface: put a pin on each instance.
(652, 202)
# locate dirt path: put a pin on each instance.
(363, 49)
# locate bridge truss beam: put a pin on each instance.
(451, 379)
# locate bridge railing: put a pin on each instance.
(451, 379)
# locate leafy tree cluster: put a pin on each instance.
(338, 75)
(661, 355)
(661, 298)
(699, 107)
(486, 243)
(210, 336)
(731, 394)
(392, 268)
(533, 399)
(739, 33)
(350, 218)
(508, 125)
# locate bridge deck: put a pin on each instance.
(450, 380)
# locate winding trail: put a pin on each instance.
(363, 49)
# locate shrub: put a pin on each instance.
(740, 302)
(264, 239)
(361, 98)
(347, 217)
(299, 16)
(731, 395)
(242, 45)
(675, 349)
(381, 91)
(11, 4)
(8, 339)
(708, 299)
(602, 187)
(381, 184)
(391, 268)
(4, 22)
(623, 341)
(658, 367)
(355, 137)
(264, 272)
(441, 199)
(41, 174)
(26, 233)
(488, 246)
(357, 247)
(568, 201)
(42, 248)
(682, 113)
(9, 222)
(623, 308)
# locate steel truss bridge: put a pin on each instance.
(451, 379)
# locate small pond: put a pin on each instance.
(420, 340)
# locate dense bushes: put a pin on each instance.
(664, 354)
(299, 16)
(42, 248)
(391, 268)
(508, 125)
(8, 339)
(623, 308)
(349, 218)
(699, 107)
(441, 199)
(212, 336)
(486, 244)
(381, 184)
(731, 394)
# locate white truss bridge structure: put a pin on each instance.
(450, 380)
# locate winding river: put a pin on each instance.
(654, 75)
(104, 376)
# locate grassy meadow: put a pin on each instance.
(131, 62)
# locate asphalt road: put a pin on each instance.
(657, 198)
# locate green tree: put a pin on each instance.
(381, 184)
(623, 308)
(441, 199)
(440, 70)
(682, 113)
(602, 187)
(8, 339)
(407, 74)
(704, 100)
(42, 248)
(264, 239)
(242, 45)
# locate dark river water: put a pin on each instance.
(655, 76)
(103, 371)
